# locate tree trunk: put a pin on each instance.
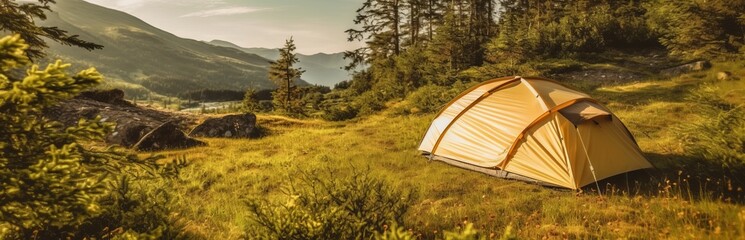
(287, 93)
(396, 27)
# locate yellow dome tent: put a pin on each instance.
(532, 129)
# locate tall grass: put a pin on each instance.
(719, 134)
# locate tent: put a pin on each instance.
(532, 129)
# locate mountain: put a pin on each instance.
(137, 54)
(321, 68)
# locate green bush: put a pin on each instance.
(370, 102)
(250, 101)
(136, 206)
(432, 98)
(53, 184)
(316, 207)
(719, 135)
(339, 112)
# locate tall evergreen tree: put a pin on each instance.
(379, 24)
(19, 17)
(284, 74)
(412, 27)
(433, 15)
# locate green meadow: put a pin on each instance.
(685, 197)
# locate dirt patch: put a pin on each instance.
(602, 77)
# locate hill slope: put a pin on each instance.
(136, 52)
(320, 68)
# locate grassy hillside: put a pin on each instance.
(138, 53)
(320, 68)
(684, 198)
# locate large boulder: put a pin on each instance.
(230, 126)
(132, 122)
(166, 136)
(686, 68)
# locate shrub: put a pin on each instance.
(354, 207)
(137, 207)
(52, 183)
(370, 102)
(266, 106)
(432, 98)
(339, 112)
(250, 101)
(720, 134)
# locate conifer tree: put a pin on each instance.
(50, 179)
(20, 17)
(284, 74)
(379, 26)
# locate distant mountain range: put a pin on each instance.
(320, 68)
(137, 54)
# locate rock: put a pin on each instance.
(686, 68)
(724, 76)
(164, 137)
(231, 126)
(129, 134)
(132, 122)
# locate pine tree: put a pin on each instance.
(284, 74)
(433, 15)
(20, 18)
(447, 51)
(50, 180)
(379, 24)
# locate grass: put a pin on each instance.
(674, 202)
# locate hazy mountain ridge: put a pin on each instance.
(138, 53)
(320, 68)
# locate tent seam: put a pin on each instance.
(465, 110)
(520, 136)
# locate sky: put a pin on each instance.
(315, 25)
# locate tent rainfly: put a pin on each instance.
(532, 129)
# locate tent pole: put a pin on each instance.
(592, 169)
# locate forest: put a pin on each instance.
(439, 44)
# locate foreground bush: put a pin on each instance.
(52, 184)
(355, 207)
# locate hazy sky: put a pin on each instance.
(316, 25)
